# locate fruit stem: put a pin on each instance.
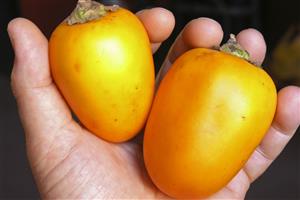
(88, 10)
(234, 48)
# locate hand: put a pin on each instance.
(69, 162)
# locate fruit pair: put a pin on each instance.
(209, 114)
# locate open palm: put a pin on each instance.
(69, 162)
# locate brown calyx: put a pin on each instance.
(88, 10)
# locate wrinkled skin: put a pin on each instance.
(69, 162)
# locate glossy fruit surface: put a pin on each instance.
(104, 69)
(211, 111)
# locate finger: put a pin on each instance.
(159, 24)
(254, 42)
(201, 32)
(285, 123)
(41, 107)
(235, 189)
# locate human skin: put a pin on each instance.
(67, 161)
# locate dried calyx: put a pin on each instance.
(88, 10)
(234, 48)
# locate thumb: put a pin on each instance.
(42, 109)
(31, 55)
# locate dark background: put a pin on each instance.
(272, 18)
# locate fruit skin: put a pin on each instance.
(104, 69)
(211, 111)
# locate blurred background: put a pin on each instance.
(279, 21)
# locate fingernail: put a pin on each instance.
(9, 31)
(11, 34)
